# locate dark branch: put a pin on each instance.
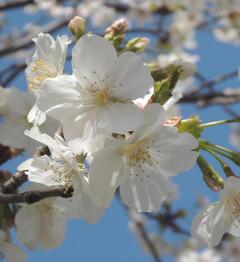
(11, 185)
(14, 4)
(6, 153)
(226, 97)
(30, 197)
(218, 79)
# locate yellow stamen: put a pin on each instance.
(102, 97)
(40, 71)
(136, 152)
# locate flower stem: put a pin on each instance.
(220, 122)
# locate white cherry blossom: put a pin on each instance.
(48, 59)
(62, 167)
(221, 217)
(98, 99)
(9, 251)
(142, 163)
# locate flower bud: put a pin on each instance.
(210, 176)
(163, 89)
(118, 27)
(77, 26)
(138, 44)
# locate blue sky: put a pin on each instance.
(110, 239)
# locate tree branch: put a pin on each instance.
(144, 236)
(12, 184)
(226, 97)
(30, 197)
(218, 79)
(6, 153)
(14, 4)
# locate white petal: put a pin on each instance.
(53, 52)
(145, 194)
(20, 102)
(92, 54)
(58, 97)
(12, 134)
(25, 165)
(39, 172)
(178, 161)
(154, 116)
(53, 232)
(28, 225)
(45, 139)
(90, 211)
(83, 133)
(130, 77)
(121, 118)
(102, 174)
(184, 141)
(35, 116)
(208, 225)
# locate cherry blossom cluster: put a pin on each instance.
(107, 129)
(99, 139)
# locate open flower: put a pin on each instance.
(98, 98)
(9, 251)
(220, 217)
(142, 163)
(64, 168)
(48, 59)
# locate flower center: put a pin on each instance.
(136, 153)
(62, 172)
(40, 71)
(234, 203)
(101, 97)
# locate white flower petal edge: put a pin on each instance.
(9, 251)
(97, 100)
(140, 165)
(48, 59)
(223, 216)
